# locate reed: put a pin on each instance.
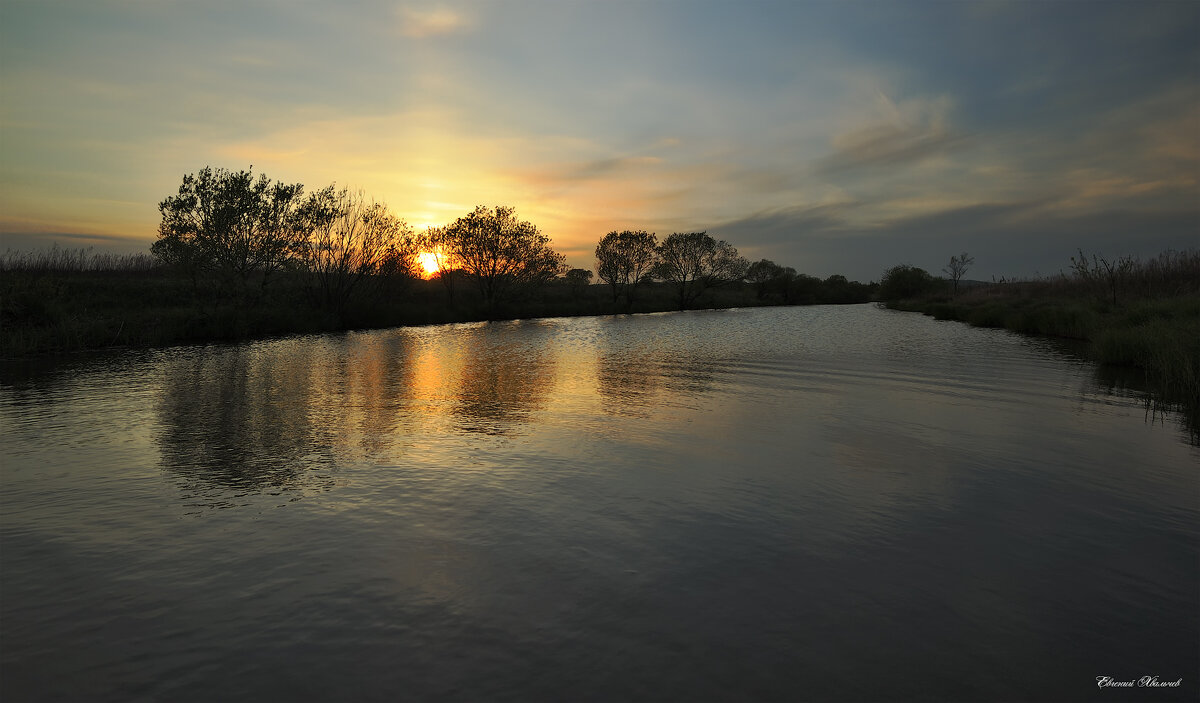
(55, 259)
(1143, 314)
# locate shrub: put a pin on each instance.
(905, 281)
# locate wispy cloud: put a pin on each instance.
(906, 134)
(22, 240)
(1004, 237)
(571, 173)
(803, 131)
(419, 23)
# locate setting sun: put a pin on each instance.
(429, 263)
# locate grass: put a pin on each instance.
(63, 300)
(1154, 325)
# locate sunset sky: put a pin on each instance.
(834, 137)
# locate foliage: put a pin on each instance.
(55, 259)
(231, 224)
(1144, 314)
(353, 241)
(578, 280)
(339, 261)
(624, 259)
(503, 255)
(694, 262)
(770, 279)
(905, 281)
(1103, 276)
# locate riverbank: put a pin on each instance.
(1160, 335)
(49, 312)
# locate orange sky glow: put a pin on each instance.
(831, 137)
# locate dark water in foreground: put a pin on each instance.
(785, 504)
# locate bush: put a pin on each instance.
(905, 281)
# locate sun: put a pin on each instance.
(429, 262)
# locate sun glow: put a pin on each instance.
(429, 263)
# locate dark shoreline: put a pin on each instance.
(1160, 337)
(62, 312)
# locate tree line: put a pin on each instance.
(236, 232)
(694, 262)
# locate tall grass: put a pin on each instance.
(55, 259)
(1144, 314)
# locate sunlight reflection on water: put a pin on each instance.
(801, 503)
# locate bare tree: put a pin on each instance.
(624, 259)
(694, 262)
(502, 254)
(353, 239)
(957, 268)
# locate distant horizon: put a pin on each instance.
(834, 138)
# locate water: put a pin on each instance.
(828, 503)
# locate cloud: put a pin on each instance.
(432, 22)
(1020, 238)
(907, 133)
(37, 240)
(886, 145)
(786, 225)
(619, 166)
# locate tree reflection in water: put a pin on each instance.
(283, 416)
(277, 417)
(235, 421)
(502, 373)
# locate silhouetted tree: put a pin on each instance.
(905, 281)
(769, 278)
(836, 290)
(957, 268)
(624, 259)
(694, 262)
(434, 242)
(353, 239)
(578, 279)
(804, 289)
(231, 224)
(502, 254)
(761, 273)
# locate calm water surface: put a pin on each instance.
(775, 504)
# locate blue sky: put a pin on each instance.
(834, 137)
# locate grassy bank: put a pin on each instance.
(66, 301)
(1148, 317)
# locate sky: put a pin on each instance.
(832, 137)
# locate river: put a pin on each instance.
(817, 503)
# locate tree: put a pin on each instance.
(578, 280)
(769, 278)
(906, 281)
(695, 262)
(804, 289)
(957, 267)
(435, 243)
(624, 259)
(231, 224)
(352, 240)
(502, 254)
